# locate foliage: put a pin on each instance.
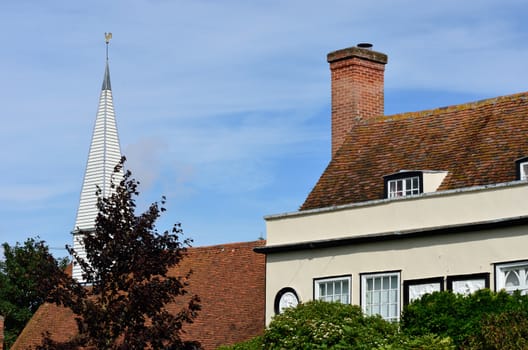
(251, 344)
(322, 325)
(460, 317)
(24, 283)
(126, 267)
(422, 342)
(507, 330)
(484, 320)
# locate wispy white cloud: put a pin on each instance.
(215, 99)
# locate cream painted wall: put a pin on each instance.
(434, 256)
(432, 180)
(428, 210)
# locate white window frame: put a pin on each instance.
(334, 281)
(523, 168)
(368, 305)
(409, 186)
(518, 269)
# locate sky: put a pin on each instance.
(221, 106)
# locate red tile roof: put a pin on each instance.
(477, 143)
(228, 278)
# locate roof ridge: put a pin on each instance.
(228, 245)
(446, 109)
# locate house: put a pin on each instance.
(228, 278)
(409, 203)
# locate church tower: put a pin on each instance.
(104, 155)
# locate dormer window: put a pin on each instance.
(404, 187)
(522, 168)
(404, 184)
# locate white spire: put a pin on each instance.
(104, 155)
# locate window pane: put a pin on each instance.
(512, 279)
(338, 287)
(377, 283)
(393, 296)
(392, 188)
(334, 290)
(384, 296)
(404, 187)
(394, 282)
(381, 296)
(385, 282)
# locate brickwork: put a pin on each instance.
(357, 78)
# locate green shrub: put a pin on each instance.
(423, 342)
(504, 331)
(321, 325)
(251, 344)
(457, 316)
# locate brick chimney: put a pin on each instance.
(357, 88)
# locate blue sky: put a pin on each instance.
(222, 106)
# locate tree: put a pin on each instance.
(23, 283)
(128, 284)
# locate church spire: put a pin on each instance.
(104, 155)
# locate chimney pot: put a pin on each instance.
(367, 46)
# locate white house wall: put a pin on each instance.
(419, 257)
(428, 210)
(440, 253)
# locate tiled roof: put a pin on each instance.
(229, 279)
(477, 143)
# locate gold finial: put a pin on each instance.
(108, 36)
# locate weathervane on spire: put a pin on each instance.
(108, 36)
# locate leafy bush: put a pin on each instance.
(484, 320)
(458, 316)
(251, 344)
(504, 331)
(321, 325)
(423, 342)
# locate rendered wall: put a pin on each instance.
(417, 258)
(429, 210)
(436, 255)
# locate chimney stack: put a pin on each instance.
(357, 88)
